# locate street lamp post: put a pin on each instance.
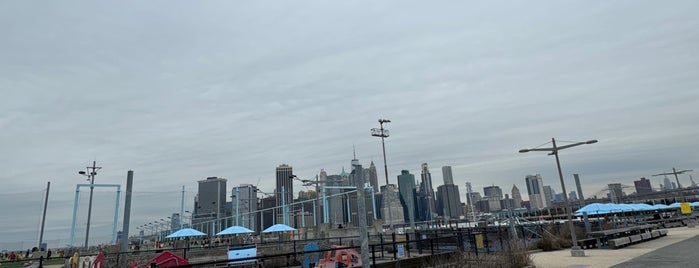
(675, 172)
(575, 250)
(316, 207)
(91, 172)
(383, 133)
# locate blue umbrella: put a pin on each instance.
(235, 230)
(279, 228)
(186, 232)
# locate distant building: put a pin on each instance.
(175, 221)
(516, 197)
(549, 195)
(448, 201)
(667, 185)
(558, 197)
(373, 177)
(408, 196)
(447, 175)
(643, 186)
(244, 206)
(573, 196)
(284, 184)
(210, 202)
(426, 202)
(615, 192)
(535, 188)
(493, 194)
(475, 197)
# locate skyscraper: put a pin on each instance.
(373, 177)
(244, 209)
(667, 185)
(643, 186)
(493, 194)
(210, 202)
(549, 195)
(446, 175)
(535, 188)
(406, 188)
(615, 192)
(516, 197)
(285, 184)
(448, 201)
(428, 208)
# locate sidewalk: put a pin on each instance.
(608, 257)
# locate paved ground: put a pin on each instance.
(681, 254)
(610, 257)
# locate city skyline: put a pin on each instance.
(233, 90)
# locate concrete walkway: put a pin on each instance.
(610, 257)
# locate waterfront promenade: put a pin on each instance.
(631, 256)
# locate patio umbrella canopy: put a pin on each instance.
(186, 232)
(279, 228)
(235, 230)
(595, 209)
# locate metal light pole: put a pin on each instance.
(316, 207)
(575, 250)
(675, 172)
(383, 133)
(91, 172)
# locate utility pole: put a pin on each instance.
(91, 172)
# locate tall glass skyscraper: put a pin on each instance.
(406, 188)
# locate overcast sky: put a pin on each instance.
(179, 91)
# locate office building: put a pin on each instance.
(284, 179)
(535, 190)
(426, 205)
(447, 175)
(643, 186)
(408, 196)
(516, 197)
(493, 194)
(572, 196)
(448, 201)
(244, 205)
(549, 195)
(210, 203)
(373, 177)
(616, 195)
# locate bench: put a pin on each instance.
(635, 239)
(663, 232)
(655, 234)
(646, 236)
(619, 242)
(673, 224)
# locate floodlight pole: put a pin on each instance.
(91, 172)
(383, 133)
(575, 250)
